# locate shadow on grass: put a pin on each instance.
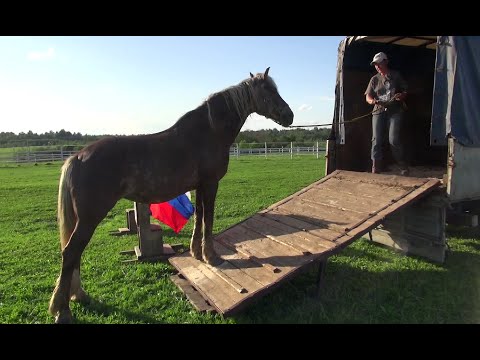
(361, 286)
(99, 309)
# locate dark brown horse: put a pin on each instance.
(193, 154)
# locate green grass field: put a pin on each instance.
(365, 283)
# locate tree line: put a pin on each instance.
(63, 137)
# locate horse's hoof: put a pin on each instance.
(82, 298)
(64, 317)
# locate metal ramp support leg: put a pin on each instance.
(320, 276)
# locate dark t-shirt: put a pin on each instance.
(383, 88)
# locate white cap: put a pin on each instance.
(379, 57)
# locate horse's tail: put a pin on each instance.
(66, 213)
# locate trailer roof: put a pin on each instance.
(429, 42)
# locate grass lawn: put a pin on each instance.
(365, 283)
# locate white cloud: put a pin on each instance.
(305, 107)
(258, 122)
(41, 55)
(327, 98)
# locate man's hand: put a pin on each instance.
(400, 96)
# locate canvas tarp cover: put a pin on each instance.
(456, 105)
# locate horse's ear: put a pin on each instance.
(251, 75)
(266, 72)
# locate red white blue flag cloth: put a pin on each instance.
(174, 213)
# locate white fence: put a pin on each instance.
(32, 155)
(274, 149)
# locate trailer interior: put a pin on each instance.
(414, 58)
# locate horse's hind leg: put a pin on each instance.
(196, 242)
(209, 193)
(71, 255)
(77, 293)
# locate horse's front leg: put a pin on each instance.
(209, 193)
(196, 242)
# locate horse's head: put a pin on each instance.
(268, 101)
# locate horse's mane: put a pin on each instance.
(242, 95)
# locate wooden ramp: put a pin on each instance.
(278, 242)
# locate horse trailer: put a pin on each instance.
(441, 132)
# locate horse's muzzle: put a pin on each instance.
(286, 117)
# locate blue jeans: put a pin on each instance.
(391, 121)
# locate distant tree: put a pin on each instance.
(64, 137)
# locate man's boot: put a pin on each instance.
(376, 166)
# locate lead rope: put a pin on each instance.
(382, 109)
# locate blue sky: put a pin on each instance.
(138, 85)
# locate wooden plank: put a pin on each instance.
(352, 178)
(212, 287)
(263, 262)
(274, 253)
(394, 222)
(244, 239)
(261, 274)
(428, 221)
(322, 230)
(392, 181)
(403, 242)
(244, 278)
(294, 236)
(346, 200)
(375, 220)
(197, 300)
(423, 240)
(360, 190)
(419, 192)
(249, 277)
(276, 235)
(236, 277)
(301, 191)
(213, 291)
(421, 171)
(314, 214)
(330, 156)
(229, 280)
